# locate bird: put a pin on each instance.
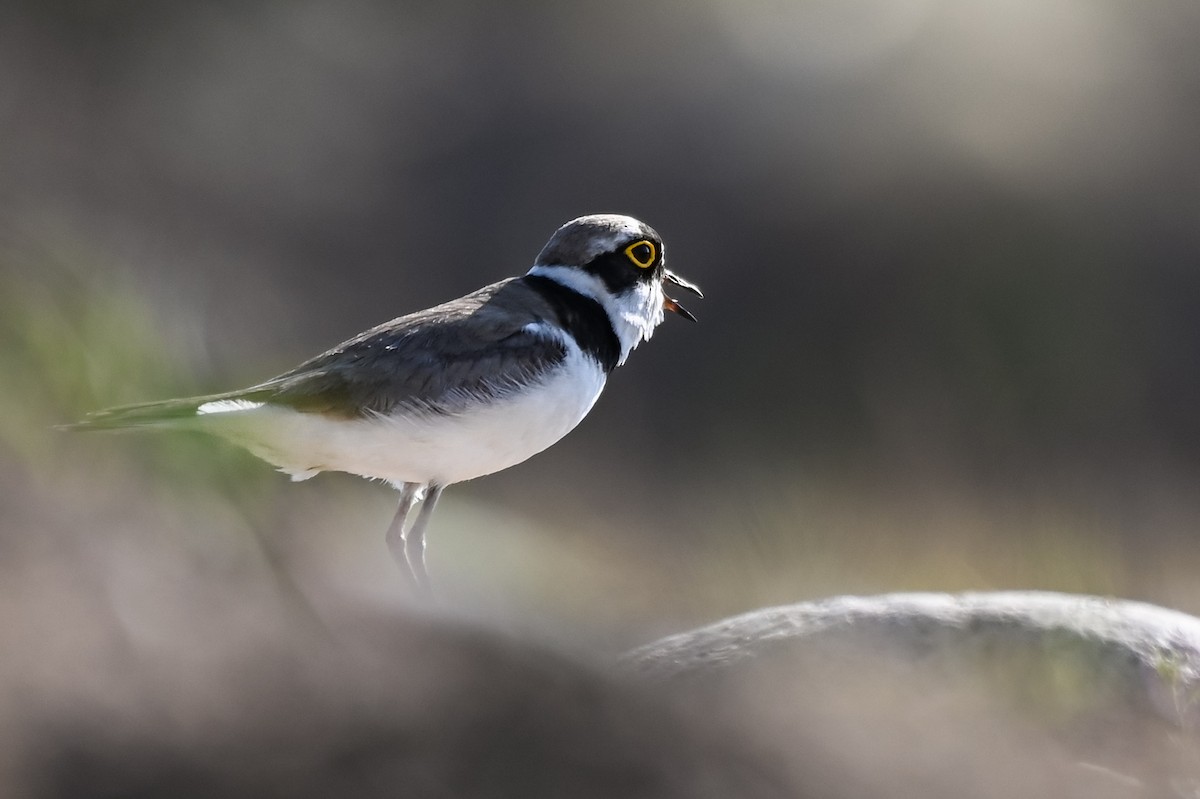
(454, 392)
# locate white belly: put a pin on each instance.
(419, 448)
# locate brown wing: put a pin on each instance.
(440, 359)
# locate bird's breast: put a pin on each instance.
(424, 446)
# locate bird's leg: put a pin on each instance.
(395, 533)
(414, 539)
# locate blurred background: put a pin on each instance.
(950, 339)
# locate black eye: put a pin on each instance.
(643, 253)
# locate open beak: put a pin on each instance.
(673, 305)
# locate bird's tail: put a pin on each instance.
(164, 413)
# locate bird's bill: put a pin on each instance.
(673, 305)
(671, 277)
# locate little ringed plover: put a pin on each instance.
(454, 392)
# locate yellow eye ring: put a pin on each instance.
(643, 253)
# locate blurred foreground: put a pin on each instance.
(179, 620)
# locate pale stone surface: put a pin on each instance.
(1151, 655)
